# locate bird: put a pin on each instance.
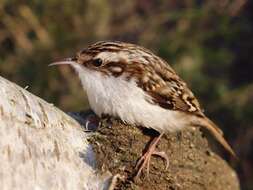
(130, 82)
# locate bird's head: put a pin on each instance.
(112, 59)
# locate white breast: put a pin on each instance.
(124, 99)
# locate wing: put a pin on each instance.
(168, 90)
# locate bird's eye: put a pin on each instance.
(97, 62)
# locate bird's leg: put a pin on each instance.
(145, 159)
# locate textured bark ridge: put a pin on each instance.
(192, 163)
(41, 147)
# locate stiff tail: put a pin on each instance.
(217, 133)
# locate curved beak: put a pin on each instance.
(67, 61)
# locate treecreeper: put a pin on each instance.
(131, 83)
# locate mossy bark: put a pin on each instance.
(192, 163)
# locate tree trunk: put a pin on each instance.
(44, 148)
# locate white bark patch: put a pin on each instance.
(41, 147)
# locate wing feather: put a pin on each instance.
(168, 90)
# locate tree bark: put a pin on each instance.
(41, 146)
(192, 163)
(44, 148)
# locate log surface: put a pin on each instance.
(192, 163)
(41, 147)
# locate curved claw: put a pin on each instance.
(164, 156)
(145, 159)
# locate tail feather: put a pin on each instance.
(217, 133)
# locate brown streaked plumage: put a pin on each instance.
(156, 78)
(157, 84)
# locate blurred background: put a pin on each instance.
(209, 43)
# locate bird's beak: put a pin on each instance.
(67, 61)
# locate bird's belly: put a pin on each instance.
(129, 103)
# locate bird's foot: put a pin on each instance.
(145, 159)
(92, 123)
(87, 119)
